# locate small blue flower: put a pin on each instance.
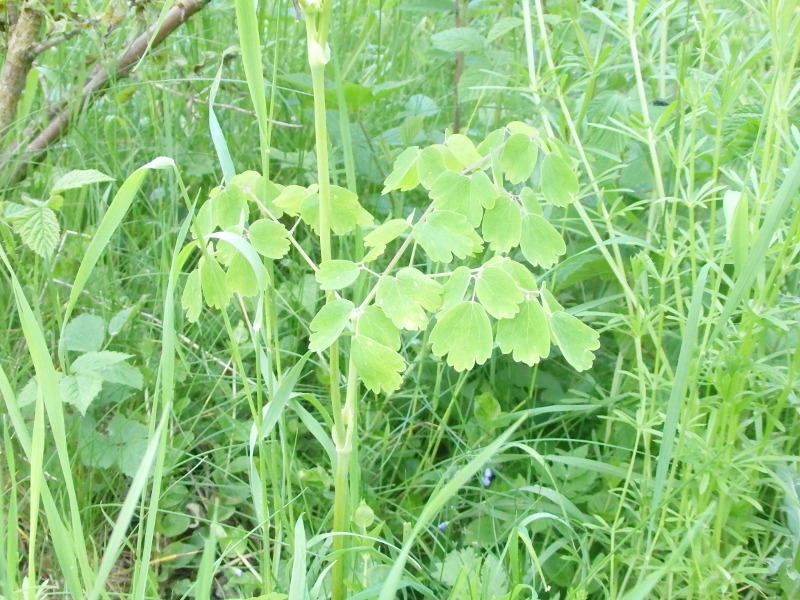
(488, 475)
(443, 526)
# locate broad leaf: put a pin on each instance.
(378, 366)
(452, 191)
(527, 336)
(502, 27)
(432, 162)
(404, 175)
(329, 323)
(269, 238)
(576, 339)
(291, 198)
(38, 228)
(95, 361)
(78, 179)
(406, 297)
(85, 333)
(80, 389)
(459, 39)
(541, 244)
(463, 334)
(240, 277)
(497, 292)
(336, 274)
(386, 233)
(559, 182)
(518, 158)
(502, 225)
(445, 234)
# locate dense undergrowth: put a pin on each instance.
(659, 462)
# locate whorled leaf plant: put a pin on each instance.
(461, 267)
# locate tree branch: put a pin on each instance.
(59, 123)
(21, 43)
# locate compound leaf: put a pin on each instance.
(559, 182)
(445, 234)
(502, 225)
(404, 175)
(378, 366)
(336, 274)
(576, 339)
(526, 336)
(269, 238)
(329, 323)
(497, 292)
(464, 334)
(518, 158)
(541, 244)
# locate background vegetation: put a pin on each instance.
(666, 470)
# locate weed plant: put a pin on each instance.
(259, 368)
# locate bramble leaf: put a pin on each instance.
(497, 292)
(526, 336)
(329, 323)
(85, 333)
(404, 175)
(444, 234)
(541, 244)
(406, 297)
(38, 228)
(378, 366)
(464, 334)
(458, 39)
(576, 339)
(559, 183)
(502, 225)
(79, 179)
(269, 238)
(80, 389)
(518, 158)
(336, 274)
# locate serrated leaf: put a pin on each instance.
(463, 334)
(445, 234)
(123, 374)
(38, 228)
(79, 179)
(455, 287)
(329, 323)
(213, 283)
(502, 27)
(486, 410)
(290, 199)
(346, 212)
(80, 389)
(374, 324)
(95, 361)
(502, 225)
(240, 277)
(118, 321)
(269, 238)
(540, 243)
(85, 333)
(518, 158)
(192, 297)
(386, 233)
(575, 339)
(404, 175)
(406, 297)
(497, 292)
(336, 274)
(559, 182)
(463, 149)
(226, 208)
(526, 336)
(459, 39)
(378, 367)
(55, 201)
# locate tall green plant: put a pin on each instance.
(460, 262)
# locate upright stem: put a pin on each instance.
(317, 17)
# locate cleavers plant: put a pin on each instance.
(459, 262)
